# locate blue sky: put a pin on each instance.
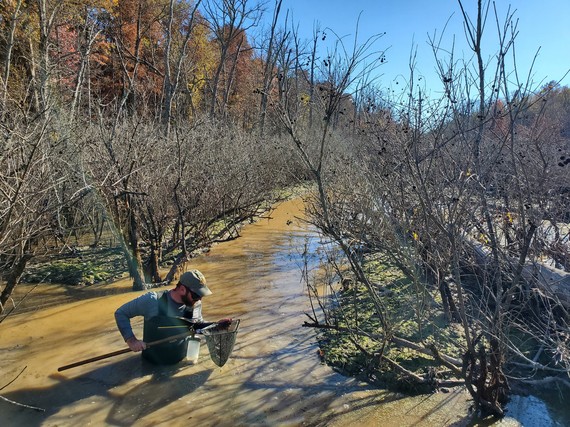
(543, 24)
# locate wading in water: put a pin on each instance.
(167, 314)
(171, 320)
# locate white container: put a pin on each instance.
(193, 349)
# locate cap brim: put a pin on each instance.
(203, 291)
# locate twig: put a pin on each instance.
(405, 371)
(545, 381)
(14, 379)
(35, 408)
(538, 367)
(22, 300)
(538, 353)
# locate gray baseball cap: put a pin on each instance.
(196, 282)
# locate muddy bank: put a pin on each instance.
(274, 376)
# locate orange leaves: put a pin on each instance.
(117, 49)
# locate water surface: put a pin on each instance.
(273, 378)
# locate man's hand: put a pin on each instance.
(135, 344)
(224, 323)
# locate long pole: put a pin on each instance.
(125, 350)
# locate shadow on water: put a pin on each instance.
(160, 390)
(156, 386)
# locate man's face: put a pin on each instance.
(190, 298)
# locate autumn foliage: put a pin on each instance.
(115, 54)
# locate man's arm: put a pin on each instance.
(146, 305)
(199, 323)
(197, 313)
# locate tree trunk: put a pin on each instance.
(12, 280)
(46, 20)
(268, 70)
(231, 76)
(135, 264)
(152, 266)
(450, 308)
(8, 56)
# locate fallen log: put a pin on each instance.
(551, 281)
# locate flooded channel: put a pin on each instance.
(273, 378)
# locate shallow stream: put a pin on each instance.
(273, 378)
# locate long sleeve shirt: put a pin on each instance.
(146, 305)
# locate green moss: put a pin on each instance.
(85, 267)
(412, 315)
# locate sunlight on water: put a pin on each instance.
(274, 376)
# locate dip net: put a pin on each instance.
(220, 341)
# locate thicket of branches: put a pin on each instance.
(167, 122)
(467, 196)
(138, 117)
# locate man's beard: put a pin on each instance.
(187, 301)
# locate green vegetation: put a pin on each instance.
(86, 266)
(358, 355)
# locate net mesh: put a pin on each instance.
(221, 342)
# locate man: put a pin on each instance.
(165, 314)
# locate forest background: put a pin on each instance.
(168, 123)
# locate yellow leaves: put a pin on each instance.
(482, 238)
(414, 234)
(304, 98)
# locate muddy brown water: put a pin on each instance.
(273, 378)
